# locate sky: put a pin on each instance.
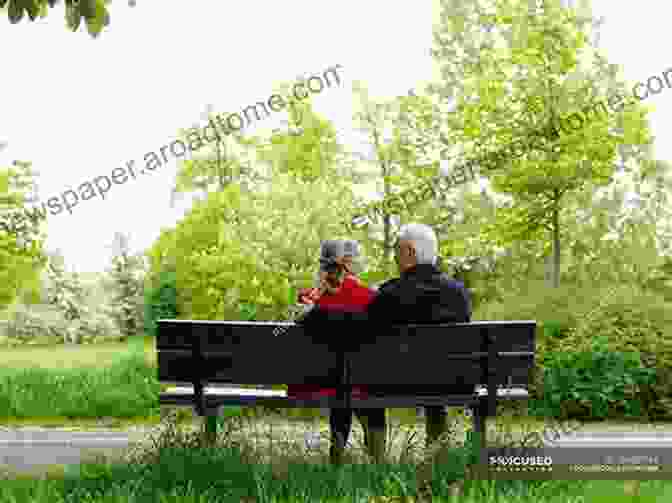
(78, 107)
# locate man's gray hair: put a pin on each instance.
(424, 240)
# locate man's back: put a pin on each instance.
(421, 295)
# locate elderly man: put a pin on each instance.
(422, 294)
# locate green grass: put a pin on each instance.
(120, 381)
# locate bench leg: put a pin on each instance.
(210, 429)
(435, 423)
(479, 416)
(337, 449)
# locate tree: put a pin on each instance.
(65, 289)
(126, 278)
(224, 160)
(308, 149)
(239, 248)
(536, 79)
(391, 162)
(94, 12)
(21, 237)
(88, 320)
(161, 301)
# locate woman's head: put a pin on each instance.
(337, 259)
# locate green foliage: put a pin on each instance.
(630, 319)
(633, 319)
(89, 320)
(161, 301)
(218, 158)
(68, 312)
(394, 167)
(21, 238)
(126, 276)
(248, 312)
(94, 12)
(537, 302)
(307, 151)
(593, 383)
(512, 78)
(34, 325)
(241, 248)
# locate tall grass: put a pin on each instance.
(181, 465)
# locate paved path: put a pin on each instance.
(33, 450)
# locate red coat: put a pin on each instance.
(353, 296)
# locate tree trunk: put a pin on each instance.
(556, 246)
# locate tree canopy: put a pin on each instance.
(94, 12)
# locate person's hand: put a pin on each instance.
(309, 295)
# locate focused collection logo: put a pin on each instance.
(520, 463)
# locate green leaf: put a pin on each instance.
(95, 25)
(73, 17)
(33, 7)
(88, 9)
(15, 11)
(44, 10)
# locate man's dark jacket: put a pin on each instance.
(422, 295)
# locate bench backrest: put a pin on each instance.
(249, 353)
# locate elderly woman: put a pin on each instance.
(339, 289)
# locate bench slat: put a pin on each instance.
(219, 368)
(294, 358)
(221, 397)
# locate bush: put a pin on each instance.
(593, 384)
(561, 307)
(43, 324)
(95, 326)
(33, 325)
(569, 318)
(160, 301)
(635, 320)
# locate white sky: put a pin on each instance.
(78, 107)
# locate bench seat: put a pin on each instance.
(216, 397)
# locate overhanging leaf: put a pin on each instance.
(15, 11)
(95, 25)
(33, 7)
(72, 17)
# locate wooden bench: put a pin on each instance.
(488, 355)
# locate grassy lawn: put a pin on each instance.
(75, 384)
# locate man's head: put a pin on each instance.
(417, 244)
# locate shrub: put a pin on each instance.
(96, 325)
(34, 325)
(561, 307)
(593, 383)
(160, 301)
(124, 280)
(635, 320)
(569, 318)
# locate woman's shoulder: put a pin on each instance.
(354, 281)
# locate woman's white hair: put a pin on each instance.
(350, 248)
(424, 241)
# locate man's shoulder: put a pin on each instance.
(389, 285)
(451, 282)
